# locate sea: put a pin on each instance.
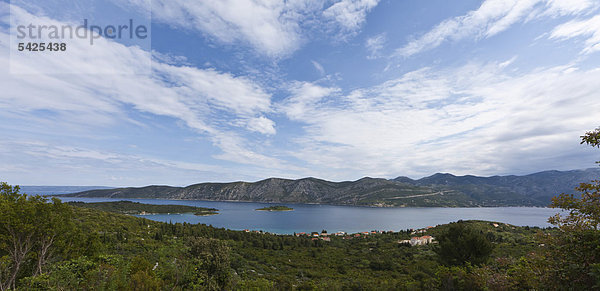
(332, 218)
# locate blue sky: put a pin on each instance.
(245, 90)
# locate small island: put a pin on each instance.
(136, 208)
(276, 208)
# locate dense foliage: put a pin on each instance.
(119, 252)
(460, 245)
(33, 233)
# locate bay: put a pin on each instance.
(351, 219)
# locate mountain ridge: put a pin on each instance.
(437, 190)
(540, 186)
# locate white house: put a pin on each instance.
(423, 240)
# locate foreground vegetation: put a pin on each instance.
(129, 207)
(64, 247)
(52, 245)
(276, 208)
(91, 249)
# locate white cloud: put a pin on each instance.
(262, 125)
(304, 97)
(507, 62)
(318, 67)
(200, 98)
(491, 18)
(556, 8)
(350, 14)
(238, 150)
(374, 45)
(275, 28)
(588, 28)
(263, 24)
(470, 120)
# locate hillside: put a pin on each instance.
(109, 251)
(540, 186)
(443, 190)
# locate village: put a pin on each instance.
(325, 236)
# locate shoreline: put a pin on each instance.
(292, 203)
(232, 224)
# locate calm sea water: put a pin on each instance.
(306, 217)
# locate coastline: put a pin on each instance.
(293, 203)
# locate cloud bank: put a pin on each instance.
(473, 119)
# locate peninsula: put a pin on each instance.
(136, 208)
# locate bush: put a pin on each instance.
(461, 244)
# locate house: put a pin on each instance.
(427, 238)
(415, 241)
(300, 233)
(326, 238)
(405, 241)
(423, 240)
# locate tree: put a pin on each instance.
(211, 257)
(17, 218)
(572, 255)
(53, 223)
(592, 138)
(29, 228)
(142, 277)
(462, 244)
(584, 211)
